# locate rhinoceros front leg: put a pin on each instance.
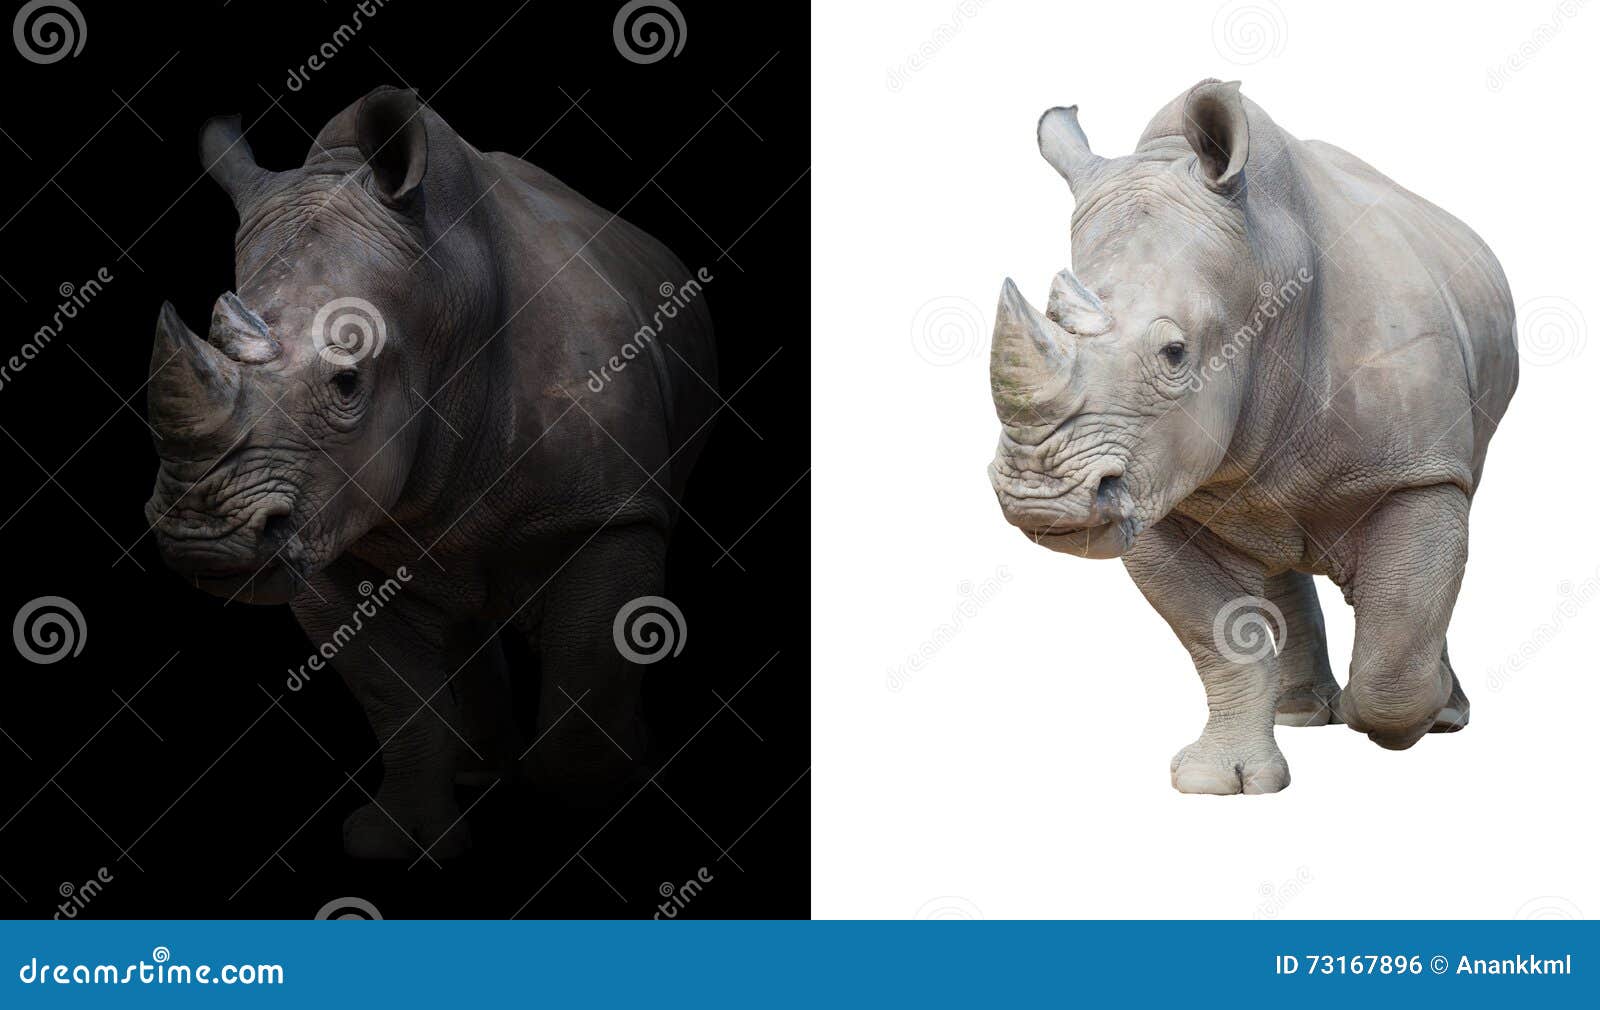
(589, 739)
(1306, 685)
(1213, 599)
(1412, 554)
(396, 659)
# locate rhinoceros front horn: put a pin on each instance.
(193, 385)
(1030, 361)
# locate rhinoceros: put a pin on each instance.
(1268, 362)
(445, 374)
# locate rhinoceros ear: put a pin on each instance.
(394, 141)
(1214, 124)
(1064, 146)
(228, 159)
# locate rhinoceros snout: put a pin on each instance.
(1042, 505)
(261, 554)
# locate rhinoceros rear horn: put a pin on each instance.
(394, 140)
(241, 334)
(1030, 360)
(1064, 146)
(1075, 307)
(228, 159)
(193, 386)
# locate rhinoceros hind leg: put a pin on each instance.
(1310, 708)
(489, 745)
(1306, 685)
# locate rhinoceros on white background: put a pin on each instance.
(1268, 362)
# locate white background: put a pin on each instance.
(1022, 772)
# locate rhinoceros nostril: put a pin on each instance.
(277, 528)
(271, 524)
(1109, 492)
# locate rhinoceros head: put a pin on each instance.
(289, 430)
(1112, 405)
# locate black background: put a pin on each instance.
(202, 799)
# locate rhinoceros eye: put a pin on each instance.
(1167, 337)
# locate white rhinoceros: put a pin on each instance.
(304, 458)
(1272, 363)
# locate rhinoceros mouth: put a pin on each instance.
(1102, 540)
(272, 582)
(222, 573)
(1058, 530)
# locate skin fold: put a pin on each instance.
(303, 463)
(1269, 362)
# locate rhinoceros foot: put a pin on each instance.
(1452, 718)
(1308, 708)
(1456, 711)
(1397, 711)
(591, 779)
(372, 832)
(1219, 768)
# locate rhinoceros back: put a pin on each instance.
(1416, 262)
(595, 256)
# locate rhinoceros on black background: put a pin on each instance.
(301, 459)
(481, 485)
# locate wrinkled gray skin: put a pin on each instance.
(1271, 363)
(292, 476)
